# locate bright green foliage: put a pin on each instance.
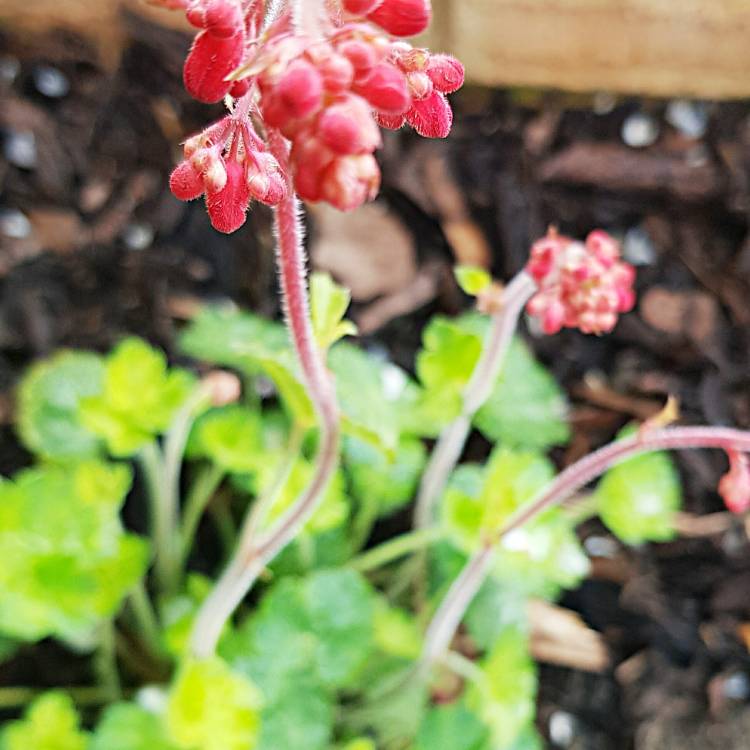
(369, 390)
(178, 613)
(638, 498)
(50, 723)
(126, 726)
(396, 631)
(369, 393)
(445, 364)
(361, 743)
(48, 399)
(451, 728)
(253, 346)
(472, 279)
(504, 696)
(333, 509)
(527, 408)
(511, 479)
(66, 562)
(301, 717)
(212, 707)
(139, 400)
(320, 625)
(389, 481)
(538, 558)
(230, 437)
(328, 305)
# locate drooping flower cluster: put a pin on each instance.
(581, 285)
(230, 164)
(734, 486)
(326, 89)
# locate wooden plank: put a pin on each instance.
(695, 48)
(656, 47)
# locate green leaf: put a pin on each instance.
(451, 728)
(505, 696)
(178, 613)
(231, 437)
(472, 279)
(50, 723)
(536, 559)
(140, 397)
(66, 562)
(328, 305)
(48, 400)
(388, 481)
(396, 631)
(301, 717)
(253, 346)
(527, 408)
(211, 707)
(638, 498)
(332, 510)
(126, 726)
(321, 625)
(370, 393)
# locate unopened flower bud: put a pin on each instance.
(185, 182)
(210, 60)
(360, 54)
(386, 89)
(350, 181)
(215, 176)
(420, 84)
(734, 486)
(446, 73)
(432, 116)
(222, 18)
(360, 7)
(227, 207)
(221, 387)
(402, 17)
(347, 127)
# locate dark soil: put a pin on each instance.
(93, 246)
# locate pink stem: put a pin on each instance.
(450, 445)
(453, 607)
(253, 554)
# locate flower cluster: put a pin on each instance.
(734, 486)
(230, 164)
(325, 89)
(581, 285)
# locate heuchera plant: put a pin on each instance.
(348, 646)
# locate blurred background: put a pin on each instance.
(622, 114)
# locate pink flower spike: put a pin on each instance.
(446, 73)
(402, 17)
(734, 486)
(431, 117)
(227, 208)
(185, 183)
(210, 60)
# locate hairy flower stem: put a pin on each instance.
(254, 552)
(453, 607)
(449, 446)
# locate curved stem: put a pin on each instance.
(448, 449)
(198, 498)
(453, 607)
(253, 554)
(394, 548)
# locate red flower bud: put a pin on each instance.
(734, 486)
(385, 88)
(402, 17)
(210, 61)
(228, 206)
(350, 181)
(185, 183)
(431, 117)
(391, 122)
(347, 127)
(446, 73)
(240, 88)
(361, 55)
(222, 18)
(360, 7)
